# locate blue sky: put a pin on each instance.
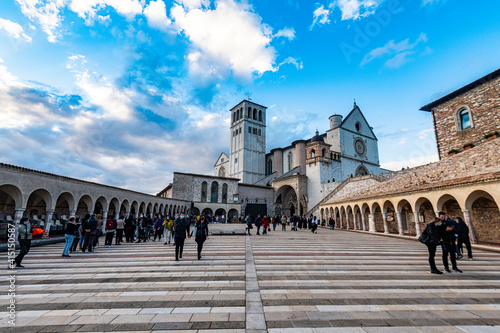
(125, 92)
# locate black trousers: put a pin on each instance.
(88, 243)
(179, 246)
(200, 240)
(129, 235)
(432, 253)
(119, 236)
(466, 241)
(449, 249)
(25, 245)
(76, 240)
(109, 238)
(158, 232)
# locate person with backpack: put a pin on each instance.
(430, 237)
(109, 229)
(249, 221)
(447, 230)
(24, 237)
(258, 223)
(463, 238)
(265, 225)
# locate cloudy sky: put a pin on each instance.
(125, 92)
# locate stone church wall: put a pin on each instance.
(484, 105)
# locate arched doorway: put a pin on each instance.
(286, 201)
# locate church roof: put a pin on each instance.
(491, 76)
(356, 107)
(317, 137)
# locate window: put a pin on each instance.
(241, 113)
(260, 115)
(249, 129)
(269, 167)
(224, 193)
(358, 126)
(234, 117)
(260, 132)
(239, 130)
(204, 192)
(289, 161)
(255, 114)
(254, 130)
(235, 160)
(237, 113)
(222, 172)
(464, 119)
(249, 112)
(214, 193)
(222, 160)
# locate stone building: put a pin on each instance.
(467, 116)
(303, 173)
(465, 185)
(207, 195)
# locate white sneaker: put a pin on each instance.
(111, 246)
(104, 246)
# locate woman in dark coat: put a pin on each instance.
(201, 234)
(434, 241)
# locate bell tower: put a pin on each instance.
(247, 157)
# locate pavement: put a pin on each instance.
(332, 281)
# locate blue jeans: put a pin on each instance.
(69, 242)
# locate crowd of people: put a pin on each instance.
(295, 222)
(450, 235)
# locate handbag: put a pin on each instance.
(424, 237)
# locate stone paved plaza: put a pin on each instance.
(284, 282)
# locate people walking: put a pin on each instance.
(158, 228)
(129, 229)
(275, 222)
(201, 234)
(24, 238)
(249, 222)
(463, 238)
(120, 227)
(265, 225)
(168, 225)
(432, 243)
(314, 225)
(89, 227)
(77, 238)
(258, 223)
(181, 231)
(71, 229)
(99, 230)
(331, 222)
(283, 223)
(109, 230)
(446, 231)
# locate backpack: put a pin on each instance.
(425, 237)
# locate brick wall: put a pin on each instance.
(484, 105)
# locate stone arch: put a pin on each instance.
(161, 209)
(286, 200)
(358, 221)
(65, 205)
(343, 218)
(377, 216)
(39, 201)
(484, 216)
(14, 193)
(85, 205)
(349, 217)
(101, 204)
(134, 208)
(322, 214)
(114, 207)
(142, 208)
(361, 170)
(404, 213)
(450, 205)
(222, 171)
(207, 211)
(219, 213)
(424, 213)
(389, 216)
(125, 207)
(149, 209)
(155, 209)
(233, 215)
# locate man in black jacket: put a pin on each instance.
(181, 230)
(89, 227)
(463, 238)
(434, 241)
(447, 231)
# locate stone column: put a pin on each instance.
(363, 221)
(117, 215)
(347, 221)
(18, 215)
(371, 222)
(386, 226)
(72, 212)
(48, 221)
(468, 221)
(417, 225)
(400, 223)
(300, 155)
(355, 221)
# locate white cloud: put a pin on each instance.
(320, 16)
(412, 162)
(14, 29)
(286, 33)
(355, 9)
(87, 9)
(116, 104)
(156, 13)
(399, 53)
(46, 13)
(229, 36)
(290, 60)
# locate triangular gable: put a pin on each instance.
(366, 128)
(222, 156)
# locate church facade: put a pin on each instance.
(303, 173)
